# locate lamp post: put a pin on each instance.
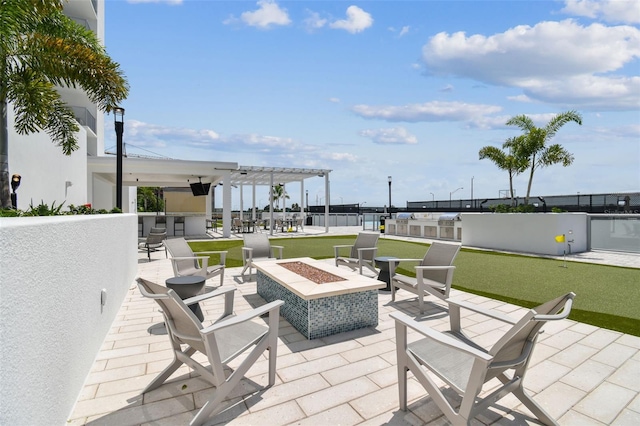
(453, 192)
(389, 177)
(307, 195)
(118, 118)
(433, 197)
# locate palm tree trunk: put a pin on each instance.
(533, 167)
(511, 187)
(5, 195)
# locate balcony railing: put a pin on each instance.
(85, 118)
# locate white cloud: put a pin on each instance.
(357, 21)
(314, 21)
(626, 11)
(428, 111)
(540, 59)
(520, 98)
(334, 100)
(404, 30)
(267, 15)
(390, 136)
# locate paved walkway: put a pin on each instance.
(582, 375)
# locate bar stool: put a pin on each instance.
(178, 224)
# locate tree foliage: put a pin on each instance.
(532, 144)
(506, 160)
(41, 48)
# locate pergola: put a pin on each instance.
(270, 176)
(180, 173)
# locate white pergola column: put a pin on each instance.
(271, 203)
(226, 204)
(253, 211)
(327, 202)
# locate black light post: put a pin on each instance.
(453, 192)
(389, 177)
(118, 117)
(307, 194)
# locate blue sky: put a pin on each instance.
(410, 89)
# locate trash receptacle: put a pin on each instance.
(309, 220)
(382, 220)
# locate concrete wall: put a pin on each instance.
(526, 232)
(52, 323)
(45, 170)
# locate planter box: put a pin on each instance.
(526, 232)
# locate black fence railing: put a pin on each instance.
(615, 203)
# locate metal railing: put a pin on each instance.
(85, 118)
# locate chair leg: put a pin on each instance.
(168, 371)
(533, 406)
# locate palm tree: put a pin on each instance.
(279, 193)
(533, 144)
(506, 161)
(41, 48)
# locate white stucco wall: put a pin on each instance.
(52, 324)
(45, 169)
(525, 232)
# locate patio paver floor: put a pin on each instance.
(581, 374)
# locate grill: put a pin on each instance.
(448, 219)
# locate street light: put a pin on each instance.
(307, 191)
(118, 119)
(389, 177)
(433, 197)
(453, 192)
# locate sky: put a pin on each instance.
(371, 89)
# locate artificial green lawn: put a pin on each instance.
(606, 296)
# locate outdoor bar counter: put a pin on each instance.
(194, 223)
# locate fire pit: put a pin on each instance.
(319, 303)
(311, 273)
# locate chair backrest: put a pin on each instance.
(178, 247)
(259, 243)
(516, 345)
(439, 254)
(155, 230)
(155, 239)
(365, 240)
(181, 322)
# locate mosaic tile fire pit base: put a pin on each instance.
(316, 317)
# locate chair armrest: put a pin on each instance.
(222, 253)
(362, 251)
(204, 296)
(247, 253)
(271, 308)
(336, 249)
(441, 338)
(279, 251)
(393, 264)
(483, 311)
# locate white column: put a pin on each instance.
(271, 203)
(327, 202)
(226, 204)
(253, 210)
(241, 202)
(302, 206)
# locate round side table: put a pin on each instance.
(186, 287)
(383, 262)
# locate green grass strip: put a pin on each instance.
(606, 296)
